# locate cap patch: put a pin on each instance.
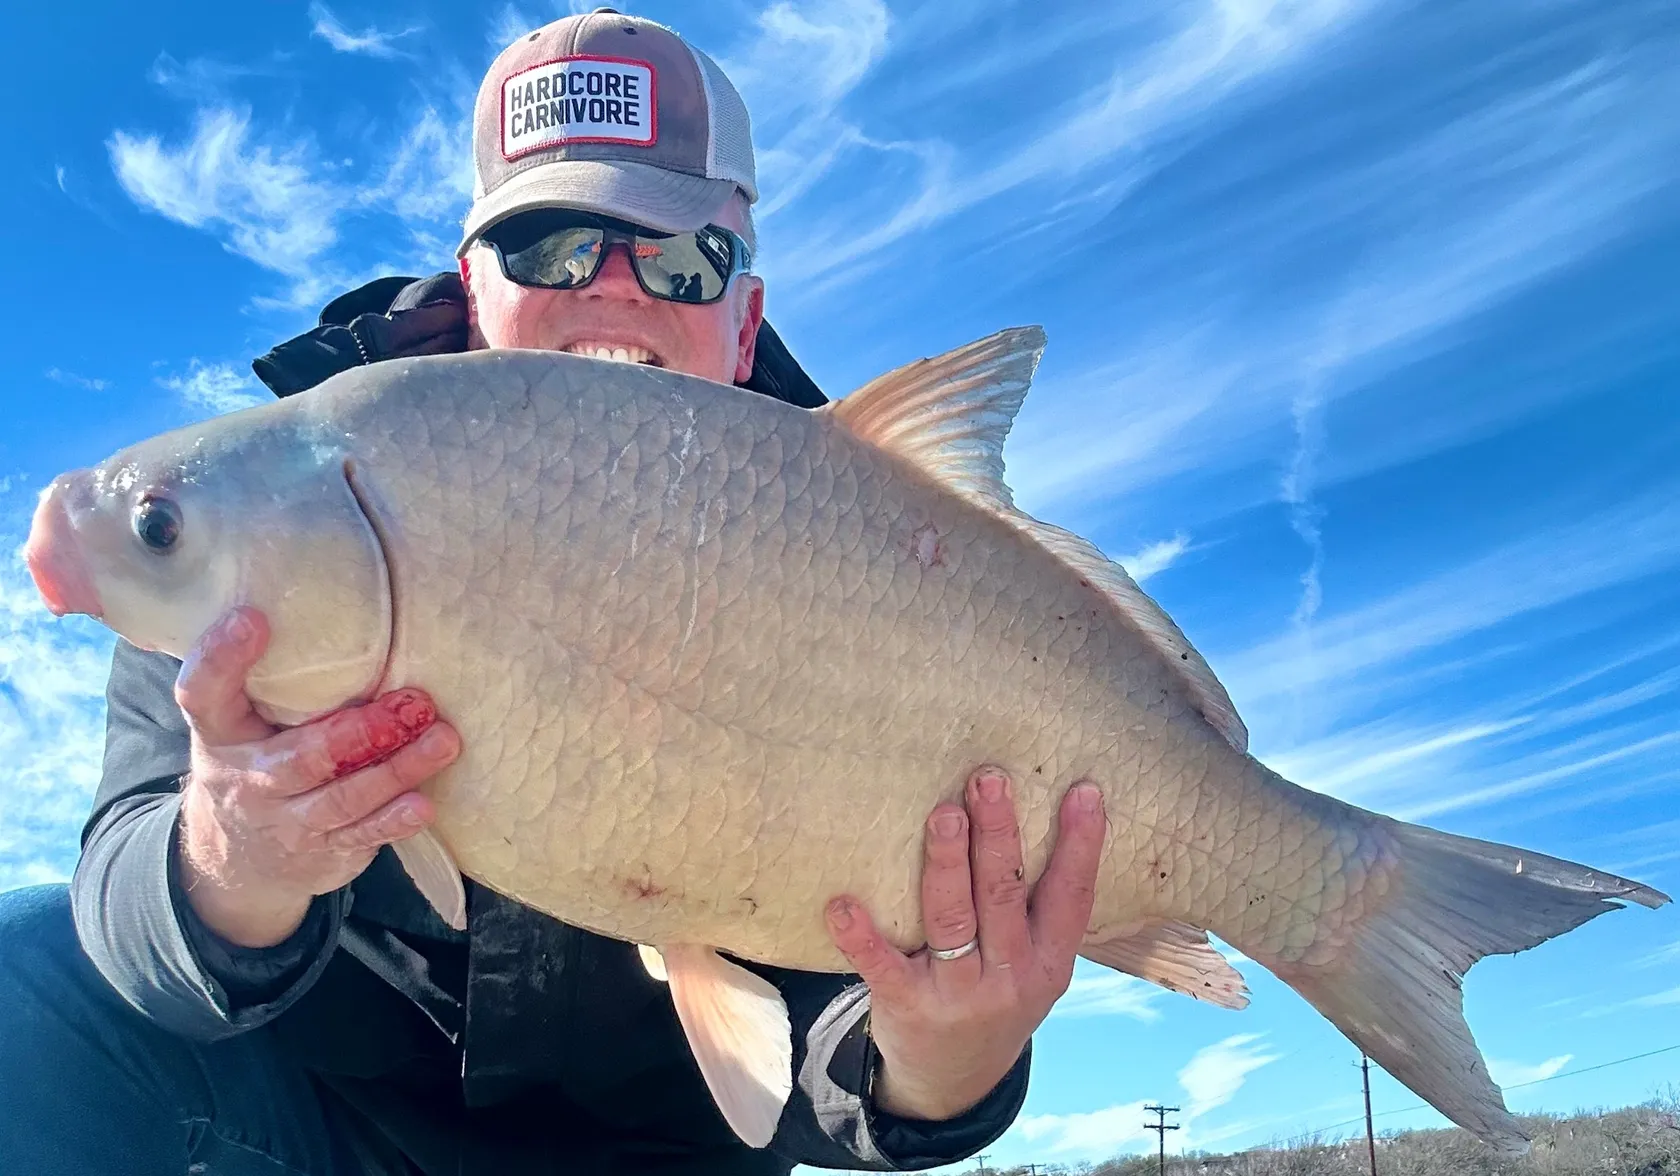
(579, 100)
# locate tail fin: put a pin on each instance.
(1396, 990)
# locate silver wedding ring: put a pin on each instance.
(954, 953)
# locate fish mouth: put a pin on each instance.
(55, 559)
(382, 545)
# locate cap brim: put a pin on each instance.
(653, 196)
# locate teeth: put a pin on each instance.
(616, 354)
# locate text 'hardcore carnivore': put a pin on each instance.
(689, 634)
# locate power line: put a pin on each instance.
(1161, 1126)
(1514, 1086)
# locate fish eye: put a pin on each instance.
(157, 523)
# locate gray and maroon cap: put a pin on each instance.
(609, 113)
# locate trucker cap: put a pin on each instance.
(613, 114)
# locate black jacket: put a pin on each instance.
(521, 1045)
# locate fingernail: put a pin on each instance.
(435, 742)
(993, 786)
(840, 913)
(238, 627)
(948, 826)
(412, 709)
(1088, 797)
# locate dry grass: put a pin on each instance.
(1634, 1141)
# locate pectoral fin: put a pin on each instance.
(737, 1025)
(433, 869)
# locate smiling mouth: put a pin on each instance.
(616, 352)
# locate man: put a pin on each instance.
(263, 990)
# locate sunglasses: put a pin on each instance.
(557, 249)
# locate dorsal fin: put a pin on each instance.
(949, 416)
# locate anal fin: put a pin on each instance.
(738, 1027)
(1176, 956)
(434, 872)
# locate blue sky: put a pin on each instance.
(1363, 355)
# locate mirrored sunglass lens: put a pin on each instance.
(686, 267)
(562, 258)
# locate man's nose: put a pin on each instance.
(617, 277)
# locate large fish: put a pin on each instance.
(714, 658)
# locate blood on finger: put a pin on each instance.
(373, 733)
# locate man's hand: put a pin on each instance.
(949, 1030)
(271, 818)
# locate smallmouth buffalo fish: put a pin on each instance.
(714, 659)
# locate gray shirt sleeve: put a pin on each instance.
(131, 916)
(832, 1121)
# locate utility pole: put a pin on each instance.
(982, 1162)
(1370, 1135)
(1161, 1127)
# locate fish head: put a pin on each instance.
(256, 508)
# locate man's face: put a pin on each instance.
(613, 311)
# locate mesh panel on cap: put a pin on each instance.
(729, 154)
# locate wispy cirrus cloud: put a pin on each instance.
(429, 178)
(1387, 258)
(371, 42)
(73, 380)
(508, 22)
(795, 71)
(1156, 558)
(1657, 747)
(1214, 1076)
(279, 203)
(1099, 1133)
(1508, 1073)
(214, 388)
(264, 198)
(209, 80)
(1591, 737)
(1111, 994)
(1534, 571)
(1160, 83)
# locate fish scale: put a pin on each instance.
(714, 659)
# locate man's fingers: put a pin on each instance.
(347, 801)
(881, 965)
(210, 689)
(1061, 903)
(1000, 888)
(346, 741)
(403, 817)
(948, 891)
